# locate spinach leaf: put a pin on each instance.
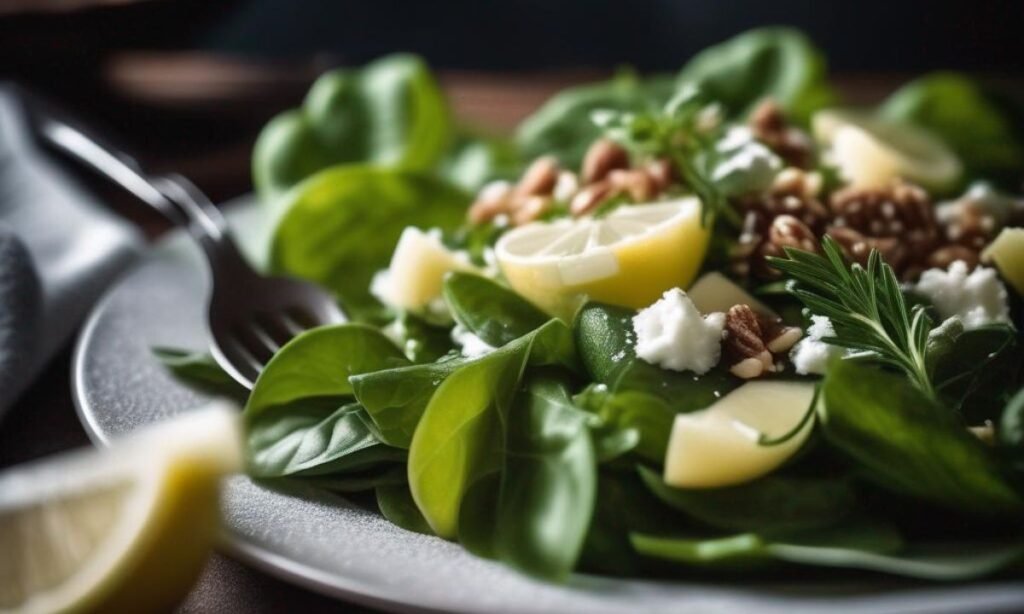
(648, 416)
(309, 438)
(390, 112)
(978, 373)
(200, 370)
(340, 226)
(859, 544)
(460, 435)
(475, 160)
(396, 398)
(957, 110)
(384, 467)
(421, 340)
(606, 343)
(777, 63)
(772, 504)
(318, 363)
(563, 126)
(1011, 423)
(396, 504)
(548, 483)
(492, 312)
(904, 442)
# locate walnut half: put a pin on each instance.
(751, 339)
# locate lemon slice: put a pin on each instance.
(719, 446)
(873, 152)
(628, 258)
(127, 529)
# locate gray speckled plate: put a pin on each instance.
(331, 545)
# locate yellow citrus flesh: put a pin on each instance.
(121, 530)
(628, 258)
(1007, 252)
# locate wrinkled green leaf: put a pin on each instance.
(903, 441)
(772, 504)
(957, 110)
(309, 438)
(318, 363)
(778, 63)
(489, 310)
(390, 112)
(340, 226)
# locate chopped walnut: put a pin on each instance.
(603, 157)
(751, 339)
(772, 221)
(771, 127)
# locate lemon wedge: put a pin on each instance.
(126, 529)
(719, 446)
(1007, 252)
(873, 152)
(627, 258)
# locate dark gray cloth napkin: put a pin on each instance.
(59, 250)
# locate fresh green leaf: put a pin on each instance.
(387, 469)
(396, 504)
(199, 369)
(648, 416)
(563, 126)
(397, 398)
(957, 110)
(490, 311)
(606, 344)
(1011, 424)
(476, 160)
(389, 113)
(319, 362)
(421, 340)
(772, 504)
(903, 441)
(777, 63)
(548, 482)
(309, 438)
(978, 374)
(341, 225)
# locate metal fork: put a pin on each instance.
(250, 315)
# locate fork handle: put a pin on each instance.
(172, 195)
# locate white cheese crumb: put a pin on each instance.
(747, 165)
(472, 346)
(566, 186)
(811, 355)
(977, 298)
(672, 334)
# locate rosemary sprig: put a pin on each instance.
(866, 307)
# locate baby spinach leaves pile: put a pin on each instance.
(545, 453)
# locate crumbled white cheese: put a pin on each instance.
(977, 297)
(672, 334)
(472, 345)
(811, 355)
(566, 186)
(746, 165)
(985, 198)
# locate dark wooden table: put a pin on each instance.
(199, 116)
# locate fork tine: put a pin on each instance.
(255, 344)
(237, 360)
(275, 327)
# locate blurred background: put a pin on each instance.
(188, 83)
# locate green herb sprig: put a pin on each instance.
(685, 131)
(866, 307)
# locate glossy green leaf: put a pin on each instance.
(548, 483)
(777, 63)
(308, 437)
(341, 225)
(397, 398)
(771, 504)
(319, 362)
(647, 415)
(979, 372)
(396, 504)
(422, 341)
(390, 112)
(903, 441)
(491, 311)
(606, 344)
(956, 109)
(563, 126)
(475, 160)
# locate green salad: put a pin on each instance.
(712, 322)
